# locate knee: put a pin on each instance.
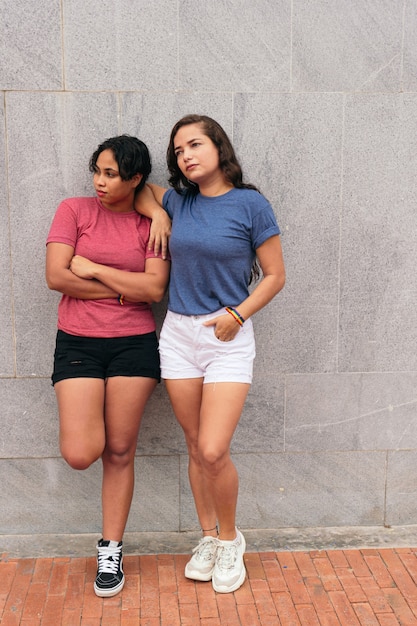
(120, 456)
(78, 459)
(212, 460)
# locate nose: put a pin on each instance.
(99, 179)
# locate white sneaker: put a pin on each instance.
(229, 571)
(201, 564)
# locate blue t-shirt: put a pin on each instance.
(212, 247)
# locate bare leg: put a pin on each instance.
(220, 413)
(186, 397)
(125, 402)
(81, 417)
(209, 415)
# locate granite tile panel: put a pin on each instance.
(302, 490)
(47, 496)
(160, 433)
(29, 416)
(409, 76)
(151, 117)
(46, 167)
(119, 46)
(378, 290)
(347, 46)
(261, 426)
(7, 352)
(401, 488)
(351, 412)
(30, 45)
(239, 46)
(290, 146)
(311, 489)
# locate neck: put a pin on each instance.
(215, 188)
(120, 207)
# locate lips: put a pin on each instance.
(100, 193)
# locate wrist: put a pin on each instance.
(236, 315)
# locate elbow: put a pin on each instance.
(52, 283)
(158, 294)
(280, 283)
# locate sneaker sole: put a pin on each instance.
(238, 583)
(108, 593)
(195, 575)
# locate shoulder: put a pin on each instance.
(78, 203)
(174, 200)
(250, 198)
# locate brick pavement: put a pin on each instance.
(367, 587)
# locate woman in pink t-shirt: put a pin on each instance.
(106, 362)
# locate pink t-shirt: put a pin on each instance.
(115, 239)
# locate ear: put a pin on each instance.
(136, 180)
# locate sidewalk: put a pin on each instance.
(355, 587)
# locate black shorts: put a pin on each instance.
(95, 357)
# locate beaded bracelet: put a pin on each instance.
(236, 315)
(121, 299)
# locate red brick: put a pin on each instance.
(248, 616)
(365, 614)
(327, 574)
(357, 562)
(351, 586)
(388, 620)
(337, 558)
(328, 618)
(379, 570)
(263, 598)
(318, 594)
(375, 595)
(399, 573)
(307, 615)
(305, 564)
(286, 609)
(400, 607)
(343, 608)
(409, 561)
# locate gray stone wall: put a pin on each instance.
(320, 100)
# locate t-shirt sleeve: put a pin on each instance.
(172, 200)
(264, 224)
(64, 225)
(167, 205)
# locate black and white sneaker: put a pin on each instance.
(110, 577)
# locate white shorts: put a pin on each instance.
(190, 350)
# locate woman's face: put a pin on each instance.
(197, 156)
(114, 193)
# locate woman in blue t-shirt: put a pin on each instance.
(221, 227)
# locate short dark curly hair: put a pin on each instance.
(131, 155)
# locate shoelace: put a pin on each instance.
(108, 560)
(205, 550)
(226, 557)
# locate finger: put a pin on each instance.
(164, 247)
(210, 322)
(157, 244)
(151, 240)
